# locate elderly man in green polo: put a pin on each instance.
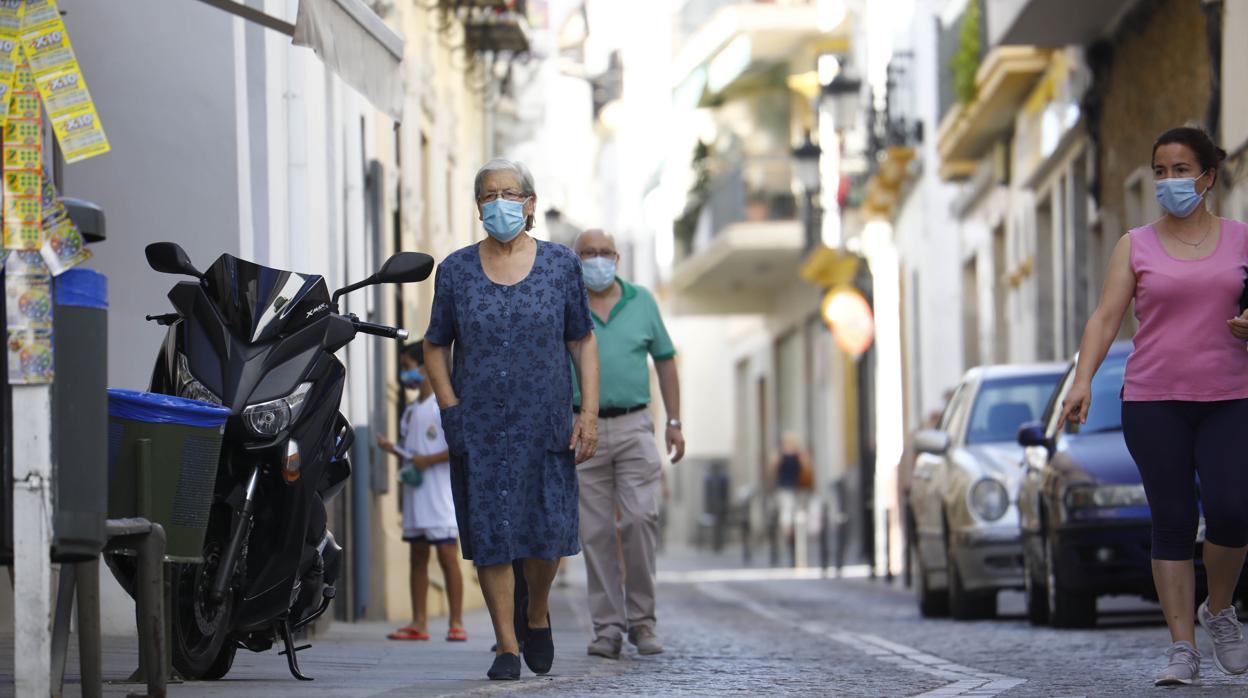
(626, 474)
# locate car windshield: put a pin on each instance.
(1005, 403)
(1105, 413)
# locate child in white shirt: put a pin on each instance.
(428, 508)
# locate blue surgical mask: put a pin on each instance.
(599, 273)
(1178, 195)
(503, 219)
(411, 378)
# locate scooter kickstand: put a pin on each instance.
(292, 659)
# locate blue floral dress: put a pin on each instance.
(512, 474)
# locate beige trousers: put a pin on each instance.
(619, 556)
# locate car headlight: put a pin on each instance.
(189, 387)
(270, 418)
(989, 499)
(1099, 496)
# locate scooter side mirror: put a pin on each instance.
(170, 258)
(402, 268)
(405, 268)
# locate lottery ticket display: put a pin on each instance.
(28, 317)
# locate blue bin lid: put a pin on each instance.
(155, 408)
(82, 288)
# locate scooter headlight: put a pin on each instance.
(270, 418)
(189, 387)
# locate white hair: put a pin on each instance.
(504, 165)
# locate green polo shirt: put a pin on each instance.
(632, 331)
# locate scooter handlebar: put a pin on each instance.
(379, 330)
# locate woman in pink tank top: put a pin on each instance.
(1185, 394)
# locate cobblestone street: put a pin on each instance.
(735, 631)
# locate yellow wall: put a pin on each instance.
(439, 147)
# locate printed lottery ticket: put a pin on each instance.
(30, 356)
(12, 12)
(63, 245)
(58, 78)
(23, 172)
(28, 317)
(28, 301)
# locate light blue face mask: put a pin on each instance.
(411, 378)
(503, 219)
(1178, 195)
(599, 273)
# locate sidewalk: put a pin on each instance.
(355, 659)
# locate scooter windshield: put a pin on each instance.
(259, 302)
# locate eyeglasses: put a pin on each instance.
(590, 253)
(509, 194)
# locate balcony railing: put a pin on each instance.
(696, 13)
(749, 190)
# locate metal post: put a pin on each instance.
(746, 557)
(90, 659)
(799, 537)
(60, 626)
(32, 516)
(143, 506)
(888, 545)
(823, 540)
(148, 539)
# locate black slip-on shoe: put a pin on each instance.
(506, 667)
(539, 649)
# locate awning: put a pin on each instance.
(351, 40)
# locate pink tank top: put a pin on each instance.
(1183, 349)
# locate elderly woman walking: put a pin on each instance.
(514, 308)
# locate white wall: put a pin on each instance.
(929, 241)
(218, 144)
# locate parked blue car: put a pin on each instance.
(1084, 517)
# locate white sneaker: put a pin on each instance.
(1230, 650)
(1182, 666)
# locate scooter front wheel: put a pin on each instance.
(201, 627)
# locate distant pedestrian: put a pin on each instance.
(514, 308)
(1185, 393)
(428, 509)
(791, 476)
(621, 485)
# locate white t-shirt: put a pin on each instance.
(428, 510)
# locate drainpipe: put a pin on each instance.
(1213, 10)
(357, 362)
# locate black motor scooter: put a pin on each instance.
(261, 342)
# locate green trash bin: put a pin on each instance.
(162, 464)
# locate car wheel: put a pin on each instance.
(1067, 609)
(932, 604)
(1035, 590)
(964, 604)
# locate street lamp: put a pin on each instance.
(806, 172)
(844, 93)
(806, 165)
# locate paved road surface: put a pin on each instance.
(734, 632)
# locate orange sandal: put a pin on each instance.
(408, 633)
(457, 635)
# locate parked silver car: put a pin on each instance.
(964, 535)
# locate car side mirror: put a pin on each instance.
(170, 258)
(405, 268)
(1032, 434)
(931, 441)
